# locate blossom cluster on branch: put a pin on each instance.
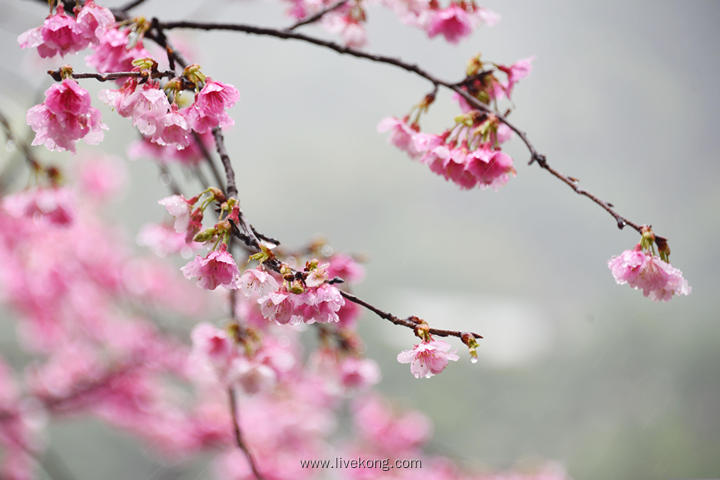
(86, 304)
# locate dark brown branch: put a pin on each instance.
(209, 160)
(231, 188)
(410, 322)
(535, 156)
(314, 18)
(56, 75)
(237, 434)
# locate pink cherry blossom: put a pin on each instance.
(490, 168)
(102, 177)
(113, 54)
(350, 30)
(452, 22)
(218, 268)
(149, 112)
(256, 283)
(656, 278)
(401, 134)
(212, 343)
(359, 372)
(345, 267)
(59, 34)
(428, 358)
(208, 110)
(65, 117)
(516, 72)
(251, 376)
(180, 209)
(389, 430)
(175, 130)
(277, 307)
(319, 304)
(48, 205)
(164, 240)
(94, 20)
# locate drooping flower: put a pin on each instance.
(452, 22)
(175, 130)
(149, 111)
(515, 72)
(491, 168)
(59, 34)
(179, 208)
(208, 110)
(212, 343)
(656, 278)
(401, 134)
(428, 358)
(358, 372)
(218, 268)
(94, 20)
(65, 117)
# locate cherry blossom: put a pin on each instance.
(114, 53)
(180, 209)
(428, 358)
(95, 20)
(208, 110)
(452, 22)
(218, 268)
(643, 271)
(59, 34)
(65, 117)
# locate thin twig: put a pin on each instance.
(237, 433)
(314, 18)
(410, 322)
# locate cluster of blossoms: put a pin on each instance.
(455, 21)
(65, 117)
(643, 269)
(62, 34)
(468, 154)
(92, 27)
(164, 123)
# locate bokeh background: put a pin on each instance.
(623, 96)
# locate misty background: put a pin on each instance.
(623, 96)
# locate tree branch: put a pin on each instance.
(237, 434)
(410, 322)
(535, 156)
(56, 75)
